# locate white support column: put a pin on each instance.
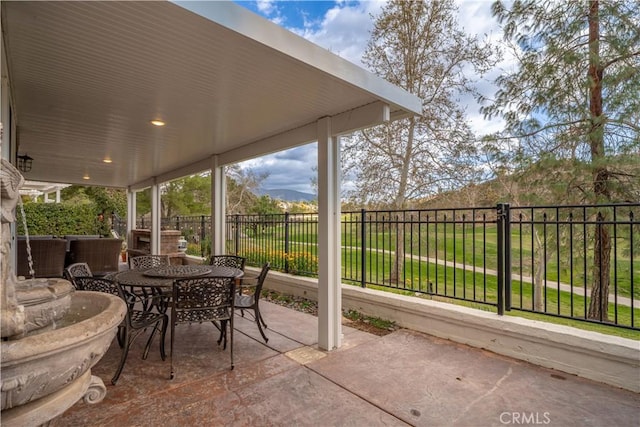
(46, 197)
(329, 283)
(218, 208)
(131, 215)
(155, 219)
(58, 195)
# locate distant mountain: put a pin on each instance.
(288, 195)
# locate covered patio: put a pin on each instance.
(81, 82)
(136, 94)
(404, 378)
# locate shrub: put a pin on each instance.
(300, 263)
(303, 264)
(60, 219)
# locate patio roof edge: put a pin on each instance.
(265, 32)
(346, 122)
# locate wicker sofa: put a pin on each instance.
(101, 254)
(47, 253)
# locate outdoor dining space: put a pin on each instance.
(151, 285)
(403, 378)
(88, 94)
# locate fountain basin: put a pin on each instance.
(50, 361)
(45, 302)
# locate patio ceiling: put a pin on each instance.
(86, 79)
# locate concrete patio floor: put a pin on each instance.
(404, 378)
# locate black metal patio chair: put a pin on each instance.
(78, 269)
(135, 321)
(204, 299)
(145, 262)
(248, 297)
(232, 261)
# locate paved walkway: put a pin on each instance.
(404, 378)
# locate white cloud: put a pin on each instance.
(266, 6)
(270, 9)
(344, 29)
(474, 17)
(290, 169)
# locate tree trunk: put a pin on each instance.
(397, 264)
(397, 261)
(598, 306)
(538, 267)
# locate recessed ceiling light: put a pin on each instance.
(86, 176)
(157, 122)
(107, 160)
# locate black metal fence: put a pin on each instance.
(439, 252)
(565, 259)
(552, 260)
(288, 241)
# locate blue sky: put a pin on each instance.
(344, 27)
(292, 14)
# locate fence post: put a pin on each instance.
(286, 242)
(602, 299)
(237, 233)
(178, 222)
(507, 256)
(501, 212)
(363, 248)
(202, 236)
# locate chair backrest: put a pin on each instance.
(232, 261)
(78, 269)
(260, 279)
(107, 286)
(145, 262)
(202, 299)
(256, 287)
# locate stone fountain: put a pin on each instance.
(51, 335)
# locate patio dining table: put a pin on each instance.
(164, 276)
(155, 284)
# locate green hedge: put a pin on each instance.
(60, 219)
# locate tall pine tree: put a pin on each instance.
(572, 103)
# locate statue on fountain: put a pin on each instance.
(27, 305)
(13, 317)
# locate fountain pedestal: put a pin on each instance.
(40, 412)
(45, 373)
